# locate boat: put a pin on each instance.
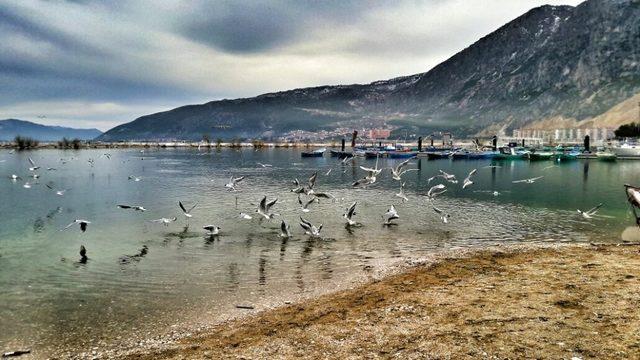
(402, 154)
(434, 155)
(606, 156)
(568, 156)
(474, 155)
(339, 153)
(314, 153)
(626, 150)
(511, 153)
(544, 154)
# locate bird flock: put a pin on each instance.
(307, 194)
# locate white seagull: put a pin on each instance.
(449, 177)
(245, 216)
(436, 191)
(187, 213)
(134, 178)
(284, 230)
(233, 182)
(164, 221)
(443, 216)
(33, 167)
(467, 181)
(528, 181)
(401, 194)
(264, 207)
(309, 228)
(58, 192)
(265, 165)
(390, 215)
(591, 212)
(350, 212)
(399, 170)
(305, 204)
(83, 224)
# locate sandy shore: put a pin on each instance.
(560, 302)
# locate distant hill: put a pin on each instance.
(11, 128)
(552, 62)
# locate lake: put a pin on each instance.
(53, 303)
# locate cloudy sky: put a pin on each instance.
(86, 63)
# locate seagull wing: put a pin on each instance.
(263, 204)
(68, 226)
(124, 206)
(594, 210)
(193, 207)
(312, 180)
(182, 207)
(31, 162)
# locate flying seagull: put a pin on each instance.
(528, 181)
(312, 183)
(443, 216)
(309, 228)
(399, 170)
(401, 194)
(348, 215)
(265, 165)
(449, 177)
(467, 181)
(134, 178)
(284, 230)
(58, 192)
(164, 221)
(83, 224)
(187, 213)
(33, 167)
(264, 207)
(305, 204)
(372, 174)
(132, 207)
(436, 191)
(390, 215)
(591, 212)
(233, 182)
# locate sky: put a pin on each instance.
(93, 63)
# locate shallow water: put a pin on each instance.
(51, 301)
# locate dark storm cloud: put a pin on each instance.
(90, 61)
(255, 26)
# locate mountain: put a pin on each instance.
(552, 62)
(11, 128)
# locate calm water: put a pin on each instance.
(50, 301)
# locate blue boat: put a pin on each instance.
(402, 154)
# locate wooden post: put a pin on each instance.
(495, 143)
(587, 143)
(420, 143)
(353, 138)
(343, 144)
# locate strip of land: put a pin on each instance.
(563, 302)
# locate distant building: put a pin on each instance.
(379, 133)
(565, 136)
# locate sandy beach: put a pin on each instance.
(575, 301)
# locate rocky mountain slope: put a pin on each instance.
(10, 128)
(553, 61)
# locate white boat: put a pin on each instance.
(627, 150)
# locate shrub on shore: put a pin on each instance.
(69, 144)
(25, 142)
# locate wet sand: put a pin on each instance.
(518, 302)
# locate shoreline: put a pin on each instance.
(547, 302)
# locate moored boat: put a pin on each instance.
(314, 153)
(536, 155)
(626, 150)
(401, 154)
(606, 156)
